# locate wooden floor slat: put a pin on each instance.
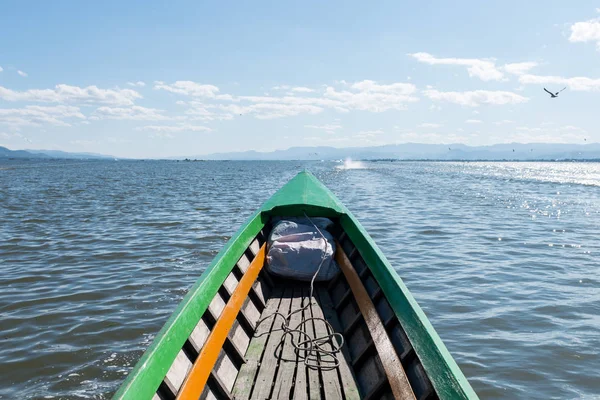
(329, 377)
(274, 377)
(314, 384)
(285, 383)
(268, 367)
(348, 383)
(300, 387)
(245, 379)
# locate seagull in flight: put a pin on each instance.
(553, 95)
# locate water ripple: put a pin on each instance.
(501, 256)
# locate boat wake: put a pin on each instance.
(349, 164)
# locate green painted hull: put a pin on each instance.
(302, 194)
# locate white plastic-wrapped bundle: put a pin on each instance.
(296, 249)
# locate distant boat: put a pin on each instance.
(211, 347)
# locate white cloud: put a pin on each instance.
(199, 111)
(572, 128)
(188, 88)
(520, 68)
(476, 98)
(433, 138)
(504, 122)
(301, 89)
(528, 129)
(39, 115)
(69, 94)
(112, 139)
(429, 125)
(315, 140)
(14, 135)
(271, 110)
(484, 69)
(473, 121)
(85, 143)
(329, 128)
(1, 69)
(370, 96)
(369, 134)
(586, 31)
(23, 74)
(137, 113)
(175, 128)
(138, 84)
(161, 135)
(579, 83)
(365, 95)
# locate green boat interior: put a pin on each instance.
(258, 360)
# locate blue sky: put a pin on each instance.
(157, 79)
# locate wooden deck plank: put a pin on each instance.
(331, 382)
(268, 367)
(349, 386)
(178, 371)
(245, 379)
(300, 384)
(314, 384)
(390, 360)
(285, 382)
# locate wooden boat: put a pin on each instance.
(214, 347)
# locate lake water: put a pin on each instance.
(502, 257)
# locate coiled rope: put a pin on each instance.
(315, 356)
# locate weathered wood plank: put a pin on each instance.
(218, 387)
(238, 336)
(268, 368)
(230, 283)
(349, 386)
(390, 360)
(300, 384)
(254, 246)
(226, 370)
(178, 371)
(216, 306)
(261, 290)
(199, 335)
(314, 384)
(331, 383)
(243, 263)
(251, 312)
(245, 379)
(284, 383)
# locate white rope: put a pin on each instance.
(315, 355)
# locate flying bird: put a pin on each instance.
(553, 95)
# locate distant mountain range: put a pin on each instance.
(47, 154)
(419, 151)
(407, 151)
